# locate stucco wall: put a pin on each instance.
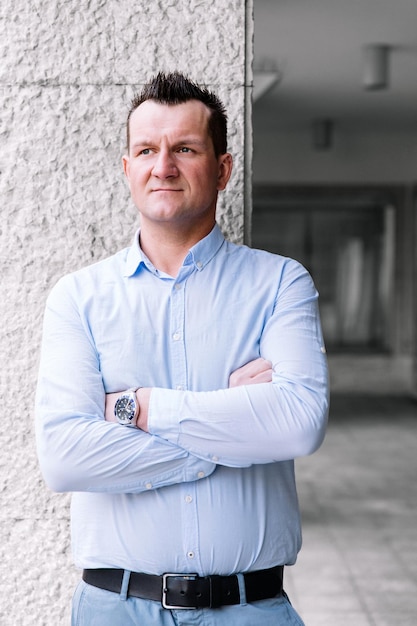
(68, 71)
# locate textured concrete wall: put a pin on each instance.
(68, 70)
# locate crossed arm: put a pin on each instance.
(254, 372)
(77, 449)
(182, 435)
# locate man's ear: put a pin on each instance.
(126, 165)
(225, 170)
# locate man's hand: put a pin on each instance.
(254, 372)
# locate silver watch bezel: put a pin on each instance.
(131, 395)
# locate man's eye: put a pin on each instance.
(145, 151)
(184, 149)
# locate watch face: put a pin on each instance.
(125, 409)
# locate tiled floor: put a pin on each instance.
(358, 496)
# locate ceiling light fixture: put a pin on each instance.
(266, 75)
(263, 82)
(322, 134)
(375, 66)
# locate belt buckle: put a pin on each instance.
(164, 601)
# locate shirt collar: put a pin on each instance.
(199, 255)
(135, 256)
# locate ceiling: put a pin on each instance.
(315, 47)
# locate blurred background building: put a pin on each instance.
(335, 165)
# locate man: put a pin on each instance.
(211, 355)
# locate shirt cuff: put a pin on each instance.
(164, 413)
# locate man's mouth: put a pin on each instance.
(165, 189)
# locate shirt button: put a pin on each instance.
(199, 265)
(180, 387)
(215, 458)
(323, 349)
(148, 485)
(176, 336)
(177, 286)
(188, 499)
(190, 554)
(200, 475)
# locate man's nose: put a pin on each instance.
(165, 166)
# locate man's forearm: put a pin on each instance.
(77, 449)
(252, 373)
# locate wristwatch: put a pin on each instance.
(126, 409)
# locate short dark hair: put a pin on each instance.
(175, 88)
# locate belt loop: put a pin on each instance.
(242, 588)
(125, 585)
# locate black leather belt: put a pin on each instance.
(190, 591)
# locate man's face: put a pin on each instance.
(171, 167)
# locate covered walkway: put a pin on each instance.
(358, 496)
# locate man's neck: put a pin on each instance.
(167, 248)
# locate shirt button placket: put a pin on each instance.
(177, 348)
(179, 381)
(190, 524)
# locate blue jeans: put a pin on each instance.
(96, 607)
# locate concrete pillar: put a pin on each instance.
(68, 72)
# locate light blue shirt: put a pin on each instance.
(211, 488)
